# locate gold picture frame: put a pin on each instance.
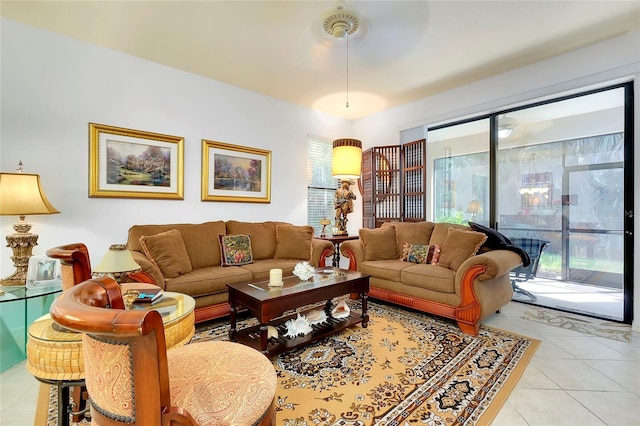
(235, 173)
(126, 163)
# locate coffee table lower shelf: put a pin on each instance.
(250, 336)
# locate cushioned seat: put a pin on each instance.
(133, 379)
(234, 390)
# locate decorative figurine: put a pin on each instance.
(344, 205)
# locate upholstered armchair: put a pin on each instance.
(74, 263)
(133, 379)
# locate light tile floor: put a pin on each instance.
(587, 299)
(573, 379)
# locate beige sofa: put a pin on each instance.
(459, 284)
(188, 258)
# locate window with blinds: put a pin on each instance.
(321, 186)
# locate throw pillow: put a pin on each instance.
(379, 244)
(411, 232)
(459, 246)
(235, 250)
(420, 253)
(293, 242)
(168, 252)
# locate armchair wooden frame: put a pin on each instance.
(125, 350)
(141, 331)
(75, 262)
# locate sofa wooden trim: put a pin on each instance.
(467, 314)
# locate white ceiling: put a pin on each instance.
(402, 52)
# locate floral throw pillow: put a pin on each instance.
(420, 253)
(235, 250)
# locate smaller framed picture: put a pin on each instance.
(235, 173)
(43, 271)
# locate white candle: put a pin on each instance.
(275, 276)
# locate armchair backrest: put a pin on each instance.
(74, 263)
(125, 357)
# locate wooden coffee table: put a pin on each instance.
(268, 304)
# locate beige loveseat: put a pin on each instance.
(459, 284)
(187, 258)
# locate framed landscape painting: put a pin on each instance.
(125, 163)
(235, 173)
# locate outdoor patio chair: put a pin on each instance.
(534, 247)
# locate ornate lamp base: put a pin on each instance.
(22, 243)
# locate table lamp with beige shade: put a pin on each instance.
(475, 208)
(21, 194)
(117, 263)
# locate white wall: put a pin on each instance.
(611, 61)
(53, 86)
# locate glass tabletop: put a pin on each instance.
(13, 293)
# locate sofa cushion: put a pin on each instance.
(201, 240)
(263, 236)
(168, 252)
(379, 244)
(390, 270)
(441, 230)
(411, 232)
(459, 246)
(420, 253)
(293, 242)
(431, 277)
(207, 281)
(235, 250)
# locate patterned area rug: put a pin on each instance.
(596, 327)
(404, 368)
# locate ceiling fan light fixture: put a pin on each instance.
(340, 29)
(505, 126)
(340, 23)
(504, 132)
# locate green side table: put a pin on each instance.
(19, 307)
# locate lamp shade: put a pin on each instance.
(117, 259)
(21, 195)
(474, 207)
(347, 159)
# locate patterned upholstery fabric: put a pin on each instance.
(108, 373)
(68, 277)
(237, 387)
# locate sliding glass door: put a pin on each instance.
(554, 171)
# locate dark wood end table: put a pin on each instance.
(268, 304)
(336, 240)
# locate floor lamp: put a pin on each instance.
(21, 195)
(346, 165)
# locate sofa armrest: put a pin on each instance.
(353, 250)
(321, 249)
(495, 263)
(149, 267)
